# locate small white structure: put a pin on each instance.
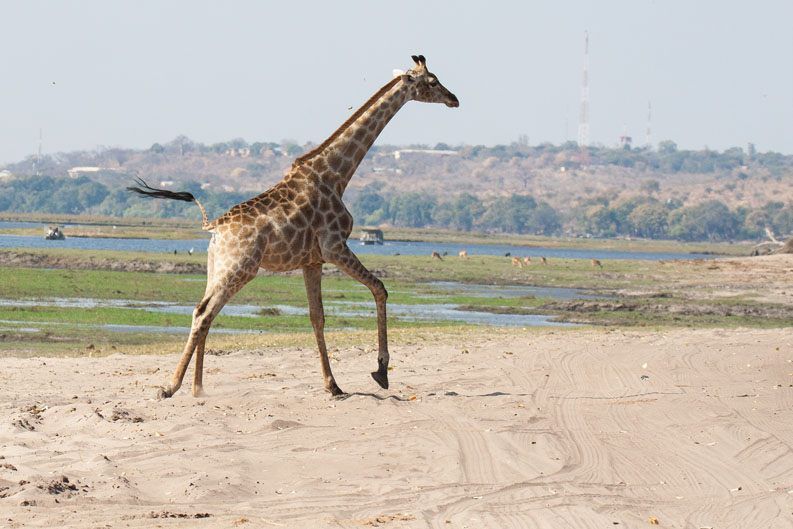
(436, 152)
(75, 172)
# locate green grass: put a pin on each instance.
(141, 317)
(409, 280)
(32, 283)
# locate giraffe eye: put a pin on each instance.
(433, 82)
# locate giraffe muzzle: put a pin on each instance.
(453, 102)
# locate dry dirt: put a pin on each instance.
(539, 429)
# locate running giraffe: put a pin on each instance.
(301, 223)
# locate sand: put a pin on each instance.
(536, 429)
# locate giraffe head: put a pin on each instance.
(425, 85)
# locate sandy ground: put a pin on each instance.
(536, 429)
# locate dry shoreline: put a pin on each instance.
(513, 429)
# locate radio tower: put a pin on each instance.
(583, 116)
(648, 137)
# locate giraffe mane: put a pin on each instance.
(357, 114)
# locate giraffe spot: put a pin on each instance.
(349, 150)
(345, 167)
(299, 221)
(279, 247)
(320, 165)
(334, 161)
(346, 223)
(289, 231)
(360, 153)
(324, 204)
(360, 135)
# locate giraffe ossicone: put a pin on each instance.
(301, 222)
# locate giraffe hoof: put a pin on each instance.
(199, 392)
(381, 377)
(164, 393)
(334, 390)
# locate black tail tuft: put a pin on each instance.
(149, 191)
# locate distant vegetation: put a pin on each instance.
(543, 189)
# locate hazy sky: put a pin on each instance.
(110, 73)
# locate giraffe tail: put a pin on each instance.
(146, 190)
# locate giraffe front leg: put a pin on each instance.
(349, 264)
(312, 275)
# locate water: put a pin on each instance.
(106, 243)
(389, 248)
(443, 312)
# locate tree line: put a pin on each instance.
(639, 216)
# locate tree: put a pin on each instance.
(710, 220)
(413, 210)
(650, 220)
(511, 215)
(546, 220)
(667, 147)
(459, 213)
(368, 202)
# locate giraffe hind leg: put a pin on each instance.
(196, 335)
(218, 294)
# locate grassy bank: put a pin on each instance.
(717, 293)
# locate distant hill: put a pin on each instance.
(599, 183)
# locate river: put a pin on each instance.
(389, 248)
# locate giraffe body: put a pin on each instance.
(302, 222)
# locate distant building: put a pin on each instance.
(76, 172)
(5, 174)
(436, 152)
(626, 141)
(243, 152)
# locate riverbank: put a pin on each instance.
(594, 428)
(66, 302)
(176, 229)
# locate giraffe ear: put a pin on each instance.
(415, 59)
(422, 60)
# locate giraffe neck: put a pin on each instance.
(337, 158)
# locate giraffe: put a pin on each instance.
(301, 222)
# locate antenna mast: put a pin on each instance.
(649, 134)
(38, 156)
(583, 116)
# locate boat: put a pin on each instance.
(54, 234)
(371, 236)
